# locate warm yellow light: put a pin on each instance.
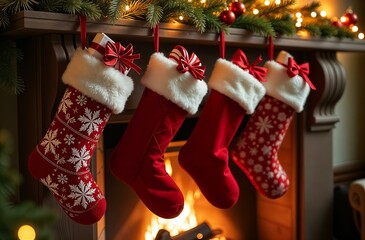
(203, 1)
(313, 14)
(255, 11)
(26, 232)
(181, 18)
(360, 36)
(354, 28)
(300, 20)
(298, 15)
(298, 24)
(267, 2)
(323, 13)
(277, 2)
(343, 19)
(127, 8)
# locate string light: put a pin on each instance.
(181, 18)
(255, 11)
(313, 14)
(300, 20)
(202, 1)
(26, 232)
(298, 24)
(343, 19)
(323, 13)
(127, 8)
(360, 36)
(298, 15)
(354, 28)
(277, 2)
(267, 2)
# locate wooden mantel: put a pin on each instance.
(48, 40)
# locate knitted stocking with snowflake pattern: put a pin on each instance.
(61, 160)
(256, 151)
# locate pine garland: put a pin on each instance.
(274, 20)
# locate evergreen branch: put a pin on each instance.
(254, 24)
(283, 26)
(277, 9)
(345, 33)
(313, 6)
(154, 15)
(90, 10)
(327, 31)
(72, 6)
(213, 23)
(312, 29)
(50, 5)
(14, 6)
(4, 19)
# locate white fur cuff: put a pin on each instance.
(96, 80)
(291, 91)
(182, 89)
(237, 84)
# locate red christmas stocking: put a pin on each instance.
(235, 92)
(256, 151)
(61, 159)
(173, 89)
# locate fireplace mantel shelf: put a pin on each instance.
(30, 23)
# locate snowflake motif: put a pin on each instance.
(252, 136)
(270, 175)
(258, 178)
(69, 139)
(260, 158)
(266, 150)
(65, 103)
(100, 196)
(261, 140)
(75, 110)
(59, 160)
(63, 189)
(267, 106)
(86, 177)
(282, 117)
(253, 151)
(69, 119)
(64, 150)
(50, 142)
(81, 100)
(264, 185)
(275, 109)
(90, 121)
(82, 194)
(250, 161)
(79, 158)
(280, 126)
(63, 197)
(241, 143)
(264, 125)
(62, 178)
(272, 137)
(242, 154)
(257, 168)
(50, 185)
(107, 116)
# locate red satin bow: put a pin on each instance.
(191, 64)
(115, 54)
(303, 70)
(240, 59)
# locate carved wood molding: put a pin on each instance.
(329, 77)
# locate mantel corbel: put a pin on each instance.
(329, 76)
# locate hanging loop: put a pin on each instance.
(83, 31)
(271, 48)
(156, 38)
(222, 45)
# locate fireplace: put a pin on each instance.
(305, 212)
(128, 218)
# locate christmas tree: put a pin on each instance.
(25, 220)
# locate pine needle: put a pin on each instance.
(154, 15)
(255, 24)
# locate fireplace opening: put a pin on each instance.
(128, 218)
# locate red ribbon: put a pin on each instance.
(303, 70)
(240, 59)
(190, 63)
(115, 54)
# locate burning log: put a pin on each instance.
(200, 232)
